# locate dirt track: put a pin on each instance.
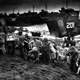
(14, 68)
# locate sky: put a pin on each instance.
(26, 5)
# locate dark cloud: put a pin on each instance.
(15, 2)
(38, 3)
(11, 2)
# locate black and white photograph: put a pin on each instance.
(39, 39)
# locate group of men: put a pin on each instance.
(45, 51)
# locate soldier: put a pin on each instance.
(21, 44)
(78, 64)
(74, 55)
(4, 28)
(45, 50)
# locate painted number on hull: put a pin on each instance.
(70, 25)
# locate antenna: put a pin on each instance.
(39, 2)
(13, 10)
(33, 6)
(66, 3)
(45, 2)
(18, 12)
